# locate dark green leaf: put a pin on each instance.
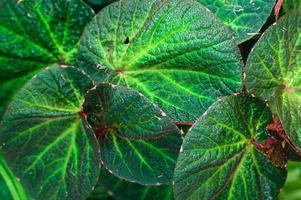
(244, 17)
(273, 72)
(34, 34)
(100, 3)
(174, 52)
(138, 141)
(218, 159)
(10, 187)
(44, 140)
(100, 193)
(123, 190)
(292, 187)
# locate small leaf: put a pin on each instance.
(35, 34)
(218, 158)
(244, 17)
(10, 187)
(138, 141)
(45, 141)
(174, 52)
(273, 72)
(123, 190)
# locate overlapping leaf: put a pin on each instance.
(174, 52)
(273, 72)
(219, 160)
(44, 140)
(138, 141)
(244, 17)
(34, 34)
(10, 187)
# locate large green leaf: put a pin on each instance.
(174, 52)
(292, 187)
(123, 190)
(244, 17)
(10, 187)
(138, 141)
(44, 140)
(273, 72)
(34, 34)
(218, 159)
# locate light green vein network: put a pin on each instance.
(273, 72)
(176, 53)
(35, 34)
(218, 159)
(52, 151)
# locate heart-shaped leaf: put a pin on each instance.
(10, 187)
(244, 17)
(44, 139)
(34, 34)
(174, 52)
(273, 72)
(218, 159)
(138, 141)
(123, 190)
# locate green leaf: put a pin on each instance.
(273, 72)
(10, 187)
(138, 141)
(244, 17)
(123, 190)
(291, 189)
(174, 52)
(44, 140)
(35, 34)
(289, 5)
(218, 159)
